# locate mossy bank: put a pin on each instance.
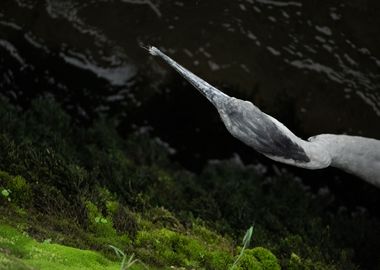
(70, 189)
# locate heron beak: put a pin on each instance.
(214, 95)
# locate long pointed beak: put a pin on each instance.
(214, 95)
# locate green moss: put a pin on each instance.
(258, 258)
(196, 249)
(211, 238)
(15, 189)
(217, 260)
(266, 258)
(25, 253)
(102, 231)
(8, 262)
(107, 199)
(14, 242)
(112, 206)
(167, 247)
(161, 217)
(99, 224)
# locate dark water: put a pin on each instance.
(315, 66)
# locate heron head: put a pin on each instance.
(249, 124)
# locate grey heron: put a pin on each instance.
(356, 155)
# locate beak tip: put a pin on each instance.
(153, 50)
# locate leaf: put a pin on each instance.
(118, 252)
(247, 237)
(5, 192)
(103, 221)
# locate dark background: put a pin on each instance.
(314, 66)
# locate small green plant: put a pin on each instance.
(126, 264)
(101, 220)
(246, 241)
(5, 193)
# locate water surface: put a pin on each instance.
(315, 66)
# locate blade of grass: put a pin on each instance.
(246, 240)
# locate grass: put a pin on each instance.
(126, 263)
(19, 251)
(160, 248)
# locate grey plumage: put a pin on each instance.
(249, 124)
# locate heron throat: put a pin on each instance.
(214, 95)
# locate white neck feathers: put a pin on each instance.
(356, 155)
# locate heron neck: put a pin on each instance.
(354, 154)
(214, 95)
